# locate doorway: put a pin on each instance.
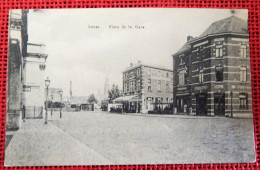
(201, 104)
(219, 104)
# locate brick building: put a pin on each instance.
(212, 71)
(145, 85)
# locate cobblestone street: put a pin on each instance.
(106, 138)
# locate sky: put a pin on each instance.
(80, 52)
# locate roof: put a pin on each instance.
(232, 24)
(185, 47)
(147, 65)
(127, 98)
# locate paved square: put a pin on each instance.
(81, 138)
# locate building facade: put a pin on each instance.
(212, 71)
(34, 80)
(26, 65)
(145, 86)
(17, 45)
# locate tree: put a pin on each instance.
(92, 99)
(113, 93)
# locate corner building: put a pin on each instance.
(212, 71)
(145, 85)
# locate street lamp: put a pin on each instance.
(51, 103)
(61, 92)
(231, 98)
(47, 84)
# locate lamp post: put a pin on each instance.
(61, 92)
(47, 84)
(231, 98)
(51, 103)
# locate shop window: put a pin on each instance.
(243, 101)
(219, 73)
(243, 72)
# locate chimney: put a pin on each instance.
(139, 62)
(189, 38)
(131, 64)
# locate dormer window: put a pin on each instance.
(182, 59)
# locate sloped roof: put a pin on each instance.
(231, 24)
(185, 47)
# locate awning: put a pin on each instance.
(125, 98)
(136, 99)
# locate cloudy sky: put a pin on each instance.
(88, 56)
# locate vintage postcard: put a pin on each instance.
(128, 86)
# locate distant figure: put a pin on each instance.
(23, 112)
(185, 108)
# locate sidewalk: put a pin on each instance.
(39, 144)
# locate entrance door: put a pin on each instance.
(201, 104)
(219, 104)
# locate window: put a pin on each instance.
(181, 60)
(167, 74)
(243, 101)
(243, 51)
(159, 85)
(219, 52)
(182, 77)
(167, 86)
(149, 88)
(138, 71)
(125, 87)
(201, 78)
(219, 73)
(149, 85)
(243, 73)
(138, 85)
(149, 72)
(159, 74)
(130, 86)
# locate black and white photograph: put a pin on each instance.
(128, 86)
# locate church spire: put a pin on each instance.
(106, 88)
